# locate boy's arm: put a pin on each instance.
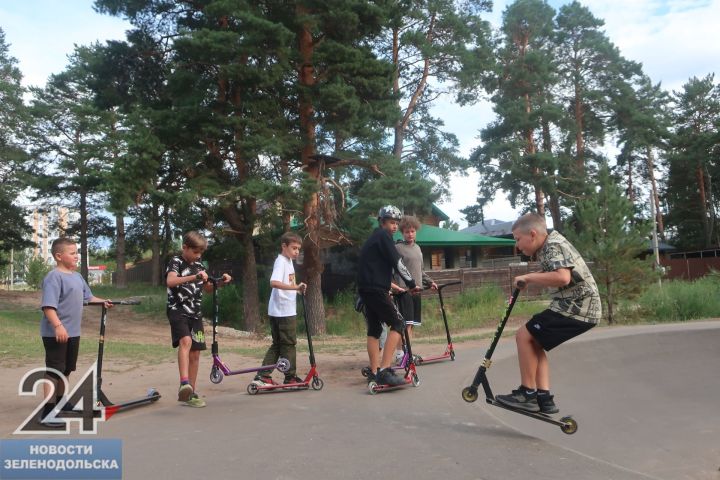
(173, 279)
(427, 281)
(288, 286)
(106, 301)
(557, 278)
(61, 334)
(392, 254)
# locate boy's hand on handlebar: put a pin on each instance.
(415, 290)
(202, 275)
(108, 303)
(302, 288)
(520, 282)
(433, 286)
(226, 278)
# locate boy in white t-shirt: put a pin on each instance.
(282, 310)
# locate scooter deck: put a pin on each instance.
(567, 424)
(449, 354)
(412, 379)
(311, 380)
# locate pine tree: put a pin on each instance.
(694, 164)
(606, 233)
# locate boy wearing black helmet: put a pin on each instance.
(378, 259)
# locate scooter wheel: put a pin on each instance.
(252, 389)
(372, 388)
(469, 394)
(153, 394)
(365, 371)
(569, 426)
(216, 375)
(452, 355)
(317, 383)
(283, 365)
(415, 380)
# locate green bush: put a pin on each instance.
(679, 300)
(230, 306)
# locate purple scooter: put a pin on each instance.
(219, 368)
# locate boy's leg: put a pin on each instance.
(373, 349)
(388, 354)
(287, 341)
(273, 352)
(183, 357)
(528, 357)
(193, 367)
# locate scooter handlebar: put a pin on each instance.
(457, 282)
(115, 302)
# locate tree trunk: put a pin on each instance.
(84, 261)
(700, 177)
(579, 140)
(554, 198)
(610, 299)
(167, 236)
(120, 272)
(311, 246)
(655, 195)
(251, 294)
(155, 244)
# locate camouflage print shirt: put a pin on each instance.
(580, 298)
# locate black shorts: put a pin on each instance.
(379, 309)
(410, 308)
(550, 328)
(183, 325)
(61, 356)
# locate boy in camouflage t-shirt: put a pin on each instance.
(575, 309)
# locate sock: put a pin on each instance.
(184, 381)
(529, 392)
(543, 392)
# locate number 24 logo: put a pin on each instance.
(84, 394)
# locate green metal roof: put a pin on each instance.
(431, 236)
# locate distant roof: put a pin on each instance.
(490, 227)
(439, 213)
(431, 236)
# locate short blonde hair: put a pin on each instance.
(195, 239)
(409, 221)
(289, 238)
(530, 221)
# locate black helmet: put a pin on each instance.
(389, 211)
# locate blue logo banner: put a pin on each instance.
(59, 459)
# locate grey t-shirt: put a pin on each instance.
(412, 257)
(65, 292)
(580, 298)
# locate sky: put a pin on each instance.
(673, 39)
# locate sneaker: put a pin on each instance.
(185, 392)
(388, 377)
(195, 401)
(520, 399)
(292, 379)
(262, 380)
(547, 405)
(371, 377)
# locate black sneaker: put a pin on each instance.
(371, 377)
(520, 399)
(292, 379)
(547, 405)
(388, 377)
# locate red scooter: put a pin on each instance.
(449, 351)
(312, 378)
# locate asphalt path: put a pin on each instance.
(645, 399)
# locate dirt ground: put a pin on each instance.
(126, 379)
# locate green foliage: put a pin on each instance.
(679, 300)
(606, 234)
(230, 306)
(36, 271)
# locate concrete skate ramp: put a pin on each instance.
(646, 400)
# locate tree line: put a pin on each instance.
(247, 118)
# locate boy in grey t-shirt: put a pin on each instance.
(63, 293)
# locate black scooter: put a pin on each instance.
(567, 424)
(151, 396)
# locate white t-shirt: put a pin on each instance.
(283, 302)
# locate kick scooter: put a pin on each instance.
(408, 364)
(152, 394)
(449, 350)
(219, 369)
(311, 379)
(567, 424)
